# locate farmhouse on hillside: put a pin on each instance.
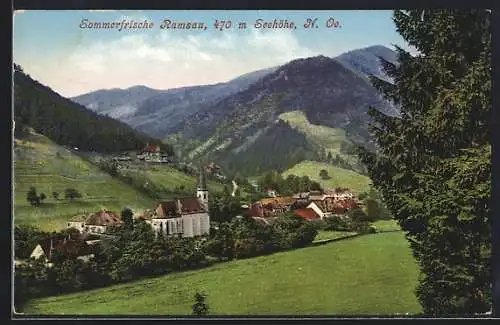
(186, 217)
(152, 153)
(97, 223)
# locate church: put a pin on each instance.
(187, 217)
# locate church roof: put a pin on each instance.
(175, 208)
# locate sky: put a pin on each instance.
(52, 47)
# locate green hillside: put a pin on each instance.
(332, 140)
(167, 179)
(338, 176)
(324, 136)
(372, 274)
(49, 167)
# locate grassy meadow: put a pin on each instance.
(51, 168)
(338, 176)
(387, 225)
(329, 138)
(324, 235)
(370, 274)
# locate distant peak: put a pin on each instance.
(312, 59)
(139, 87)
(377, 47)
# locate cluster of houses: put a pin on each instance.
(310, 205)
(185, 217)
(79, 246)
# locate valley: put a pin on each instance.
(262, 172)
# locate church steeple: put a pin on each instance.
(201, 189)
(202, 183)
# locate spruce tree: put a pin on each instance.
(433, 164)
(127, 218)
(200, 308)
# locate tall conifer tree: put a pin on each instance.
(433, 163)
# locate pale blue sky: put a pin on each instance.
(51, 47)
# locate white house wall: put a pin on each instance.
(37, 252)
(316, 209)
(188, 225)
(79, 225)
(196, 224)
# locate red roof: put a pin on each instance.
(173, 209)
(104, 218)
(151, 148)
(306, 213)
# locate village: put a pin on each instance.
(189, 217)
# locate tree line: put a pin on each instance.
(68, 123)
(292, 184)
(36, 199)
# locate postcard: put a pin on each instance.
(252, 163)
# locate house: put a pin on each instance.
(284, 203)
(96, 223)
(316, 195)
(319, 209)
(187, 217)
(100, 221)
(270, 192)
(77, 222)
(303, 195)
(70, 248)
(151, 152)
(340, 193)
(307, 213)
(271, 207)
(330, 207)
(212, 168)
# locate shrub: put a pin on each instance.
(248, 247)
(324, 174)
(293, 232)
(338, 224)
(200, 308)
(32, 196)
(71, 194)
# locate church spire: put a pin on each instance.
(201, 190)
(202, 183)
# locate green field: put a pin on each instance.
(49, 167)
(370, 274)
(387, 225)
(329, 235)
(324, 136)
(338, 176)
(171, 178)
